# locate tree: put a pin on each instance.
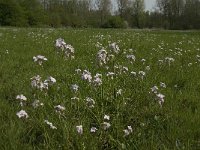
(122, 7)
(103, 7)
(138, 12)
(11, 14)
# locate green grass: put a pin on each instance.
(175, 125)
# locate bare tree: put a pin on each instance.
(104, 8)
(138, 12)
(122, 7)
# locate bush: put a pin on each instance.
(115, 22)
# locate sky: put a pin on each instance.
(149, 4)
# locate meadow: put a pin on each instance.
(122, 89)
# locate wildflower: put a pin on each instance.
(106, 117)
(75, 98)
(128, 131)
(69, 51)
(169, 60)
(50, 124)
(160, 98)
(22, 114)
(87, 76)
(131, 57)
(111, 75)
(35, 81)
(90, 102)
(102, 57)
(125, 69)
(79, 129)
(163, 85)
(37, 103)
(97, 79)
(59, 108)
(143, 60)
(142, 74)
(51, 80)
(78, 71)
(60, 43)
(114, 48)
(133, 73)
(119, 92)
(147, 68)
(39, 59)
(66, 48)
(93, 129)
(21, 97)
(75, 87)
(154, 89)
(106, 125)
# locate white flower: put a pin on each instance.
(111, 75)
(78, 71)
(160, 98)
(21, 97)
(106, 117)
(79, 129)
(102, 57)
(59, 108)
(131, 57)
(22, 114)
(125, 69)
(114, 48)
(50, 124)
(143, 60)
(75, 98)
(51, 80)
(119, 92)
(142, 74)
(37, 103)
(75, 87)
(87, 76)
(128, 131)
(163, 85)
(66, 48)
(39, 59)
(106, 125)
(133, 73)
(90, 102)
(93, 129)
(147, 68)
(97, 80)
(60, 42)
(154, 89)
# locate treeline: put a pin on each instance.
(168, 14)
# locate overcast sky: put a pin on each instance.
(149, 4)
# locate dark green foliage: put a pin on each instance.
(11, 14)
(114, 22)
(169, 14)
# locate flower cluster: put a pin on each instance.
(36, 82)
(39, 59)
(67, 49)
(159, 97)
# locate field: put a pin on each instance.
(124, 89)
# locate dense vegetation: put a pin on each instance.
(147, 96)
(169, 14)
